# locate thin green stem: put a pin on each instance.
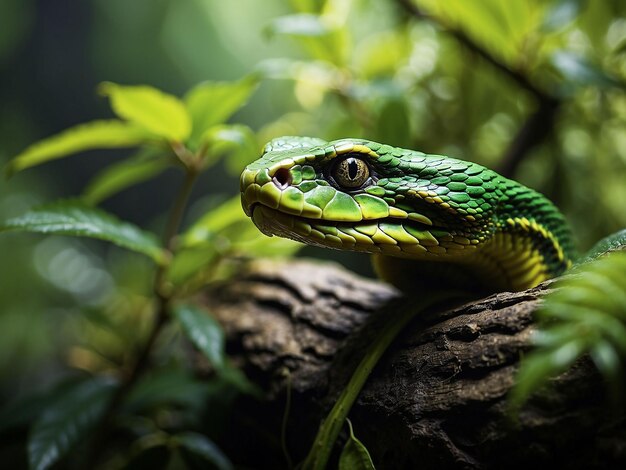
(329, 429)
(163, 298)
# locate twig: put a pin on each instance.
(163, 298)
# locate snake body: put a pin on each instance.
(430, 220)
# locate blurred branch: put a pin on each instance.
(536, 129)
(537, 126)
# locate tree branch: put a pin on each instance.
(438, 398)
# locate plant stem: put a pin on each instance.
(163, 298)
(329, 429)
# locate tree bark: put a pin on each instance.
(437, 399)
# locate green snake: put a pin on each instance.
(434, 225)
(458, 219)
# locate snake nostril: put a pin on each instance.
(282, 178)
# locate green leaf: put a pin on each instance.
(212, 103)
(67, 420)
(168, 386)
(71, 217)
(613, 242)
(122, 175)
(188, 262)
(204, 448)
(578, 70)
(236, 141)
(92, 135)
(23, 410)
(300, 24)
(203, 331)
(561, 14)
(355, 455)
(236, 232)
(158, 112)
(586, 314)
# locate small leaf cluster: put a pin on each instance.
(585, 315)
(140, 382)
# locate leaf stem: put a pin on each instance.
(329, 429)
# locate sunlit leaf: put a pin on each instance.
(158, 112)
(578, 70)
(499, 27)
(203, 331)
(204, 448)
(562, 13)
(237, 233)
(355, 455)
(92, 135)
(122, 175)
(236, 142)
(300, 24)
(71, 217)
(68, 420)
(212, 103)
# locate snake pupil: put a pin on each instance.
(350, 173)
(353, 168)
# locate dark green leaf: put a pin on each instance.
(67, 420)
(92, 135)
(203, 331)
(203, 447)
(355, 455)
(235, 377)
(212, 103)
(158, 112)
(393, 124)
(72, 217)
(537, 368)
(24, 410)
(119, 176)
(613, 242)
(579, 71)
(167, 386)
(301, 24)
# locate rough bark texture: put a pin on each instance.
(437, 399)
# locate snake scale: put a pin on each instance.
(435, 225)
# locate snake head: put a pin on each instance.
(364, 196)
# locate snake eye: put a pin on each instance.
(350, 173)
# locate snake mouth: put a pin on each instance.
(390, 236)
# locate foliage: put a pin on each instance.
(354, 455)
(586, 314)
(458, 78)
(189, 134)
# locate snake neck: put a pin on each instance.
(528, 243)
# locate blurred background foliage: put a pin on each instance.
(533, 88)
